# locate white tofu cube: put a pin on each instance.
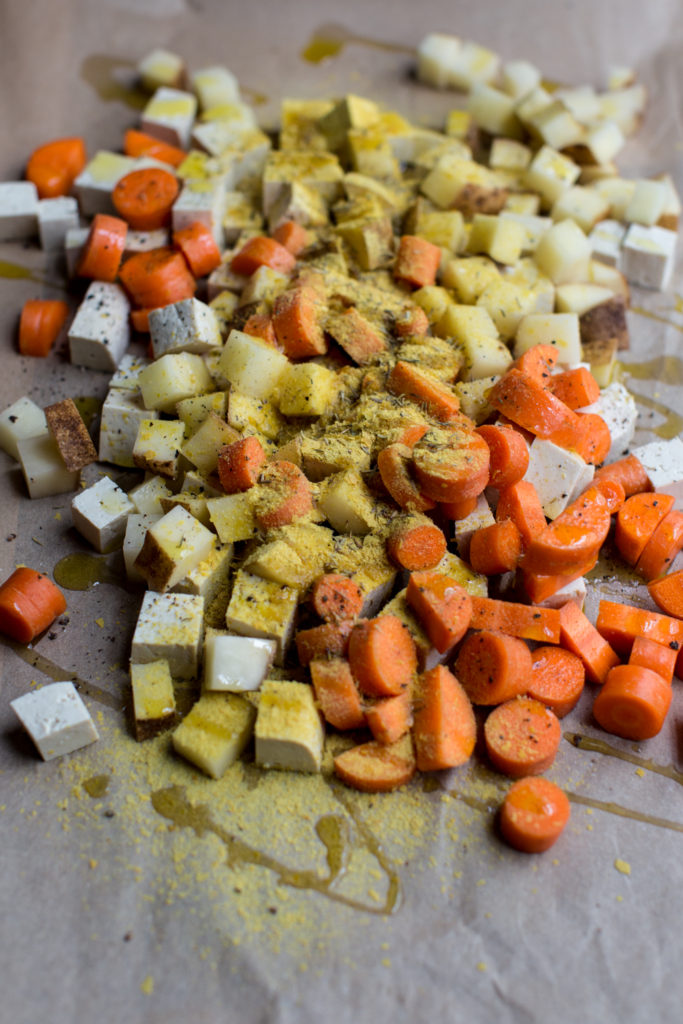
(605, 239)
(187, 326)
(202, 202)
(172, 547)
(55, 218)
(436, 57)
(137, 525)
(128, 372)
(648, 256)
(558, 475)
(96, 182)
(99, 514)
(215, 732)
(169, 116)
(618, 409)
(18, 210)
(147, 496)
(122, 414)
(56, 719)
(100, 332)
(145, 241)
(43, 467)
(170, 626)
(289, 733)
(476, 520)
(160, 67)
(20, 420)
(663, 463)
(236, 663)
(74, 240)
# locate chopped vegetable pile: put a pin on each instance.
(380, 441)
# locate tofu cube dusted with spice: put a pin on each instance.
(186, 326)
(289, 733)
(663, 463)
(618, 409)
(172, 378)
(169, 116)
(157, 446)
(100, 332)
(145, 241)
(262, 608)
(558, 329)
(210, 576)
(137, 525)
(154, 708)
(251, 365)
(66, 425)
(94, 185)
(99, 513)
(558, 475)
(19, 206)
(235, 663)
(120, 419)
(306, 389)
(204, 203)
(20, 420)
(170, 627)
(172, 547)
(232, 517)
(56, 719)
(161, 68)
(648, 256)
(215, 732)
(56, 217)
(43, 467)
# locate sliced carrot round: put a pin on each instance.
(629, 472)
(395, 468)
(136, 143)
(637, 520)
(451, 462)
(534, 814)
(382, 656)
(337, 694)
(443, 607)
(445, 729)
(261, 251)
(156, 278)
(458, 509)
(103, 250)
(439, 400)
(336, 597)
(54, 166)
(593, 439)
(539, 362)
(416, 544)
(660, 658)
(329, 640)
(557, 679)
(389, 718)
(508, 453)
(576, 387)
(574, 537)
(29, 603)
(522, 737)
(199, 248)
(493, 667)
(376, 767)
(496, 548)
(239, 464)
(662, 547)
(417, 261)
(633, 703)
(411, 322)
(144, 197)
(293, 236)
(667, 594)
(284, 495)
(39, 325)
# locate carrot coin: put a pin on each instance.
(144, 197)
(534, 814)
(336, 597)
(395, 467)
(522, 737)
(445, 728)
(493, 667)
(443, 607)
(377, 767)
(382, 656)
(557, 679)
(451, 462)
(633, 703)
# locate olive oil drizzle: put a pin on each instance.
(57, 674)
(329, 41)
(667, 369)
(15, 272)
(332, 830)
(624, 812)
(82, 571)
(656, 316)
(98, 70)
(598, 746)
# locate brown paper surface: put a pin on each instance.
(272, 898)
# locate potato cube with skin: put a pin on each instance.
(66, 425)
(262, 608)
(43, 467)
(563, 253)
(170, 626)
(289, 733)
(154, 708)
(100, 331)
(558, 329)
(172, 378)
(157, 446)
(56, 217)
(347, 504)
(251, 365)
(469, 276)
(147, 496)
(203, 447)
(215, 732)
(558, 475)
(137, 525)
(191, 502)
(235, 663)
(172, 547)
(169, 116)
(210, 575)
(232, 517)
(306, 389)
(648, 256)
(500, 239)
(20, 420)
(278, 562)
(56, 719)
(99, 514)
(186, 326)
(551, 173)
(19, 205)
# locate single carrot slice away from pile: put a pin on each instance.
(39, 326)
(534, 814)
(54, 167)
(29, 603)
(667, 593)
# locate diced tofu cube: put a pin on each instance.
(56, 719)
(99, 514)
(74, 241)
(187, 326)
(558, 475)
(145, 241)
(232, 516)
(43, 467)
(648, 256)
(96, 182)
(173, 377)
(663, 463)
(172, 547)
(169, 116)
(476, 520)
(618, 409)
(20, 420)
(122, 414)
(154, 708)
(264, 609)
(288, 732)
(605, 239)
(170, 626)
(127, 374)
(137, 525)
(100, 332)
(202, 202)
(161, 68)
(18, 210)
(56, 217)
(215, 732)
(236, 663)
(157, 446)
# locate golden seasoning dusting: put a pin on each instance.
(622, 866)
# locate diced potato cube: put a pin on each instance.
(233, 517)
(473, 396)
(469, 276)
(20, 420)
(157, 446)
(43, 467)
(215, 732)
(203, 447)
(347, 504)
(262, 608)
(500, 239)
(193, 411)
(173, 377)
(172, 547)
(558, 329)
(154, 708)
(563, 253)
(251, 365)
(278, 562)
(551, 173)
(306, 389)
(289, 733)
(507, 302)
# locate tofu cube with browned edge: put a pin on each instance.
(154, 708)
(100, 332)
(186, 326)
(170, 626)
(100, 512)
(120, 419)
(262, 608)
(215, 732)
(56, 719)
(289, 733)
(137, 525)
(173, 546)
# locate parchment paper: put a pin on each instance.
(110, 912)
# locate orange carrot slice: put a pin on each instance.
(557, 679)
(382, 656)
(416, 543)
(528, 403)
(144, 197)
(534, 814)
(54, 166)
(620, 624)
(576, 387)
(520, 503)
(451, 462)
(336, 693)
(439, 400)
(520, 620)
(261, 251)
(389, 718)
(395, 468)
(320, 643)
(293, 236)
(659, 657)
(103, 250)
(633, 703)
(443, 607)
(522, 737)
(239, 464)
(445, 729)
(667, 593)
(579, 635)
(637, 520)
(593, 439)
(39, 325)
(493, 667)
(199, 248)
(662, 547)
(508, 454)
(336, 597)
(296, 323)
(260, 325)
(572, 538)
(29, 603)
(136, 143)
(458, 509)
(156, 278)
(284, 495)
(412, 322)
(417, 261)
(496, 548)
(376, 767)
(539, 362)
(629, 472)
